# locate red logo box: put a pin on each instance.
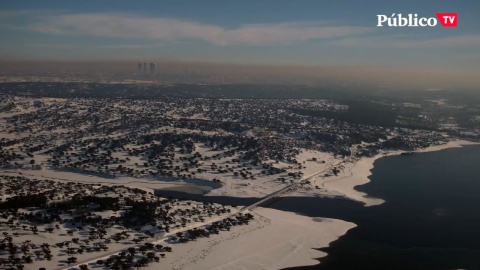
(447, 19)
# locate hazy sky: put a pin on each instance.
(254, 32)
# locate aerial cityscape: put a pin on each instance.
(215, 136)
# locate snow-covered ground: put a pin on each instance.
(142, 183)
(273, 240)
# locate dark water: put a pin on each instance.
(430, 220)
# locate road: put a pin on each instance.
(279, 193)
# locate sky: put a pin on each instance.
(302, 32)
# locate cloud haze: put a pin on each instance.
(250, 33)
(401, 41)
(129, 26)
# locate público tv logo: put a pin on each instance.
(412, 20)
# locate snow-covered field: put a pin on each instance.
(56, 225)
(273, 240)
(216, 148)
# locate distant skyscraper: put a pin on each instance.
(144, 68)
(153, 68)
(139, 68)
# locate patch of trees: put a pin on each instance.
(359, 112)
(140, 212)
(99, 203)
(24, 201)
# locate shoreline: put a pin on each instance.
(273, 240)
(358, 173)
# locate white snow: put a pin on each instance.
(273, 240)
